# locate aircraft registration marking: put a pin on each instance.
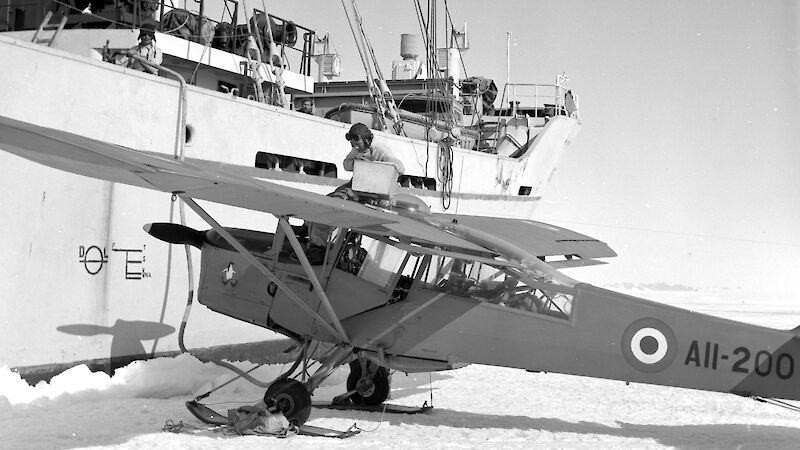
(762, 362)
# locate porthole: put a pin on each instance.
(189, 136)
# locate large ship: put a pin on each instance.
(84, 284)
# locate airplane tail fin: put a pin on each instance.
(175, 233)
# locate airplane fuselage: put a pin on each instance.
(595, 332)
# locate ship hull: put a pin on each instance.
(83, 282)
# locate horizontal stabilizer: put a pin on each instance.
(176, 234)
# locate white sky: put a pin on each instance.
(687, 162)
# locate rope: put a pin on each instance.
(446, 173)
(168, 278)
(430, 387)
(377, 97)
(778, 403)
(380, 421)
(192, 79)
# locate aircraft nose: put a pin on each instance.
(175, 233)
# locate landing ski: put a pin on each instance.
(211, 417)
(383, 407)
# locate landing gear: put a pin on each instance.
(291, 398)
(370, 389)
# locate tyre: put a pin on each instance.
(373, 395)
(291, 398)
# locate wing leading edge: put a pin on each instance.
(536, 238)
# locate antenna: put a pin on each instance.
(508, 57)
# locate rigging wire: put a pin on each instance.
(777, 402)
(444, 149)
(376, 97)
(386, 94)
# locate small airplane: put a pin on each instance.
(402, 288)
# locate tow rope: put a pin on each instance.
(778, 403)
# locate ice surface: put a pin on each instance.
(475, 407)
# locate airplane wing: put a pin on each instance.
(95, 159)
(536, 238)
(219, 184)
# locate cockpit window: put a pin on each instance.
(503, 286)
(379, 261)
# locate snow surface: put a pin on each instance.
(477, 406)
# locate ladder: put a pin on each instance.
(46, 26)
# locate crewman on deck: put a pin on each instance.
(307, 106)
(363, 148)
(146, 49)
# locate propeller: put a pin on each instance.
(175, 233)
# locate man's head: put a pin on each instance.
(307, 106)
(360, 137)
(147, 34)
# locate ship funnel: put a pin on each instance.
(410, 67)
(175, 234)
(410, 46)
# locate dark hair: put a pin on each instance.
(147, 29)
(362, 131)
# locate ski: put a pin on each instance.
(383, 407)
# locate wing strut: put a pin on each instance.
(301, 255)
(257, 264)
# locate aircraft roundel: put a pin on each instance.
(649, 345)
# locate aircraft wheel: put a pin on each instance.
(372, 391)
(292, 399)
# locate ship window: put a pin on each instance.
(412, 181)
(273, 161)
(524, 190)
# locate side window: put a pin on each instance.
(497, 285)
(380, 262)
